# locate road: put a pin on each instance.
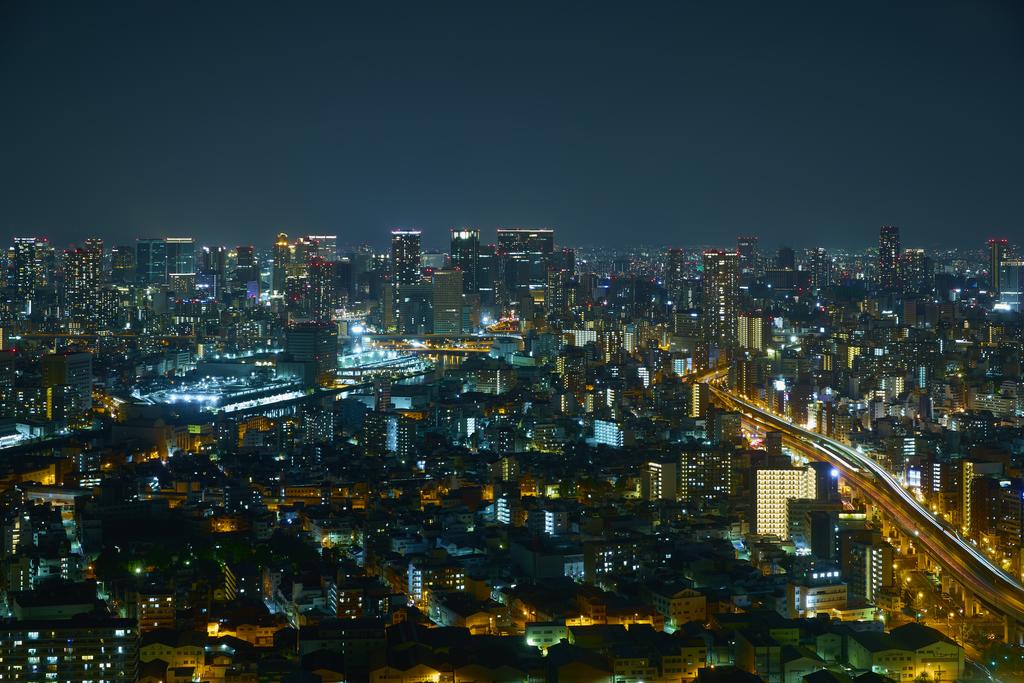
(961, 560)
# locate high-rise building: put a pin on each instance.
(122, 264)
(753, 331)
(448, 301)
(405, 257)
(465, 255)
(821, 269)
(320, 289)
(720, 298)
(151, 261)
(675, 276)
(74, 371)
(314, 343)
(889, 276)
(83, 268)
(326, 246)
(28, 265)
(997, 252)
(1011, 285)
(700, 399)
(282, 257)
(487, 276)
(181, 255)
(556, 292)
(746, 247)
(524, 257)
(773, 488)
(247, 269)
(916, 272)
(661, 479)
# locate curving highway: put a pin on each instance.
(960, 559)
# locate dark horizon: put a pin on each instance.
(673, 123)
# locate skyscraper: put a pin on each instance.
(320, 289)
(247, 270)
(181, 255)
(28, 265)
(151, 261)
(721, 298)
(524, 256)
(821, 269)
(282, 257)
(889, 277)
(448, 287)
(675, 276)
(465, 255)
(82, 275)
(326, 246)
(405, 257)
(122, 264)
(746, 247)
(997, 252)
(916, 271)
(1011, 282)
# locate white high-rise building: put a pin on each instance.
(773, 488)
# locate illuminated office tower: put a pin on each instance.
(282, 257)
(889, 258)
(326, 246)
(524, 255)
(773, 488)
(315, 343)
(405, 257)
(151, 261)
(215, 261)
(821, 268)
(997, 253)
(320, 289)
(556, 292)
(28, 265)
(465, 255)
(916, 272)
(448, 301)
(1011, 283)
(721, 298)
(487, 275)
(746, 247)
(675, 276)
(181, 255)
(83, 269)
(122, 264)
(247, 269)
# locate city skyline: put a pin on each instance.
(537, 342)
(439, 241)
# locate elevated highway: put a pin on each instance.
(959, 558)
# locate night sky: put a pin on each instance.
(683, 123)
